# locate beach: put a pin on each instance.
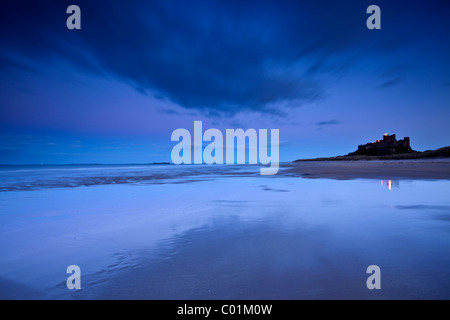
(372, 169)
(226, 232)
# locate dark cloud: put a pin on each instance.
(390, 83)
(327, 123)
(219, 57)
(393, 75)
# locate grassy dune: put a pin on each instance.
(429, 154)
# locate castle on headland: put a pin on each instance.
(389, 145)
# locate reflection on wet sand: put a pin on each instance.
(232, 234)
(390, 183)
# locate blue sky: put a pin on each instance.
(114, 91)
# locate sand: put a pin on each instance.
(345, 170)
(226, 232)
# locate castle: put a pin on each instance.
(389, 145)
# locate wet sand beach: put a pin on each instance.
(226, 232)
(367, 169)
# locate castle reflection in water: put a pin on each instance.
(390, 183)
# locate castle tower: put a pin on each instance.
(406, 142)
(389, 138)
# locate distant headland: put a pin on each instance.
(389, 148)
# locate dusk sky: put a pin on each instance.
(114, 91)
